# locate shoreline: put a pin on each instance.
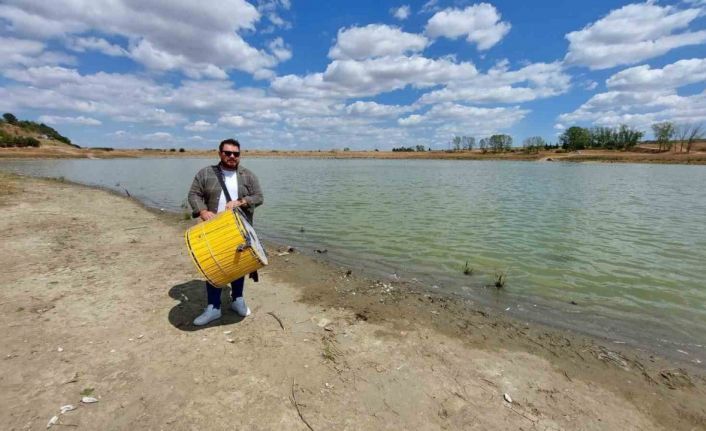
(600, 156)
(361, 331)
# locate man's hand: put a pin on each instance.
(206, 215)
(235, 204)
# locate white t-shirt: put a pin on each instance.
(231, 180)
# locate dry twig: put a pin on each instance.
(277, 319)
(296, 406)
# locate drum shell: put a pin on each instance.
(215, 245)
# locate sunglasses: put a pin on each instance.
(232, 153)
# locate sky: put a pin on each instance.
(299, 75)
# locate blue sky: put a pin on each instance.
(287, 74)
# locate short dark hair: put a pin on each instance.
(229, 141)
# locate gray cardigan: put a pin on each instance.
(206, 190)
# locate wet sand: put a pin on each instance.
(97, 295)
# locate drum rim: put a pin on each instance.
(240, 221)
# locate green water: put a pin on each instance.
(625, 242)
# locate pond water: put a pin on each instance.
(625, 242)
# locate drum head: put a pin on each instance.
(254, 241)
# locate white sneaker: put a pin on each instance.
(239, 307)
(209, 314)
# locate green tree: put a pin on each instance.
(664, 133)
(534, 144)
(483, 144)
(603, 137)
(575, 138)
(628, 137)
(468, 142)
(456, 143)
(420, 148)
(11, 119)
(687, 134)
(500, 143)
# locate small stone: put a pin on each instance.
(507, 398)
(67, 408)
(227, 332)
(60, 349)
(52, 421)
(89, 400)
(230, 340)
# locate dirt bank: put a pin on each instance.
(697, 157)
(97, 295)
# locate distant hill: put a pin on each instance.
(23, 133)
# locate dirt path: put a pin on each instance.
(97, 295)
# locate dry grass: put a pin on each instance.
(9, 186)
(642, 155)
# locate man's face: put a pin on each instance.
(230, 156)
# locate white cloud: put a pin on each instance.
(410, 120)
(375, 40)
(270, 9)
(351, 78)
(201, 38)
(279, 49)
(590, 85)
(401, 13)
(158, 136)
(121, 97)
(144, 52)
(25, 53)
(373, 109)
(442, 121)
(84, 121)
(672, 76)
(633, 33)
(82, 44)
(480, 24)
(430, 6)
(500, 85)
(198, 126)
(640, 96)
(233, 121)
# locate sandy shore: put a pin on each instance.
(97, 294)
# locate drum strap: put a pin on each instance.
(219, 175)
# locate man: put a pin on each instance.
(207, 198)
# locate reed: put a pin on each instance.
(500, 279)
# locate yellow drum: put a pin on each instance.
(225, 248)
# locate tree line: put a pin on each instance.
(612, 138)
(668, 136)
(498, 143)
